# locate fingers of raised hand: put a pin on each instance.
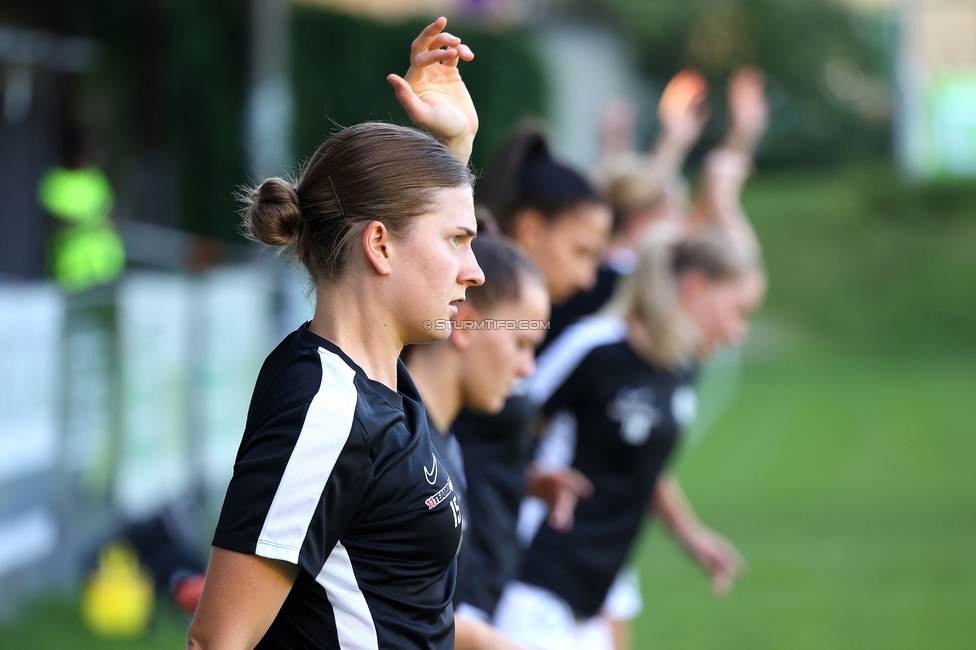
(748, 78)
(407, 97)
(463, 53)
(422, 42)
(431, 57)
(688, 88)
(443, 39)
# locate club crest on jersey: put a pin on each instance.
(442, 494)
(634, 409)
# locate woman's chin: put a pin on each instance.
(429, 335)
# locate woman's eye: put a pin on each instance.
(454, 239)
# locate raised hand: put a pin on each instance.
(682, 110)
(748, 110)
(433, 93)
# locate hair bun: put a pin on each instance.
(272, 215)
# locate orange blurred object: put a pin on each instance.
(187, 593)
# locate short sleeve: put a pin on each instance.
(300, 478)
(564, 397)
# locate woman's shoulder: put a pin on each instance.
(570, 349)
(294, 368)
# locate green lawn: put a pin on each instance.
(845, 468)
(849, 487)
(55, 624)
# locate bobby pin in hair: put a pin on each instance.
(341, 211)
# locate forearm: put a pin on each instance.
(715, 554)
(667, 157)
(470, 634)
(740, 141)
(241, 598)
(674, 510)
(719, 204)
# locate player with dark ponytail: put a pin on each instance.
(556, 217)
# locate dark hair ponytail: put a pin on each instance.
(525, 175)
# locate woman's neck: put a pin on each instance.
(436, 370)
(347, 317)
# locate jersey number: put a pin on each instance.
(456, 509)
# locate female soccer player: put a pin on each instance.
(626, 382)
(649, 197)
(493, 344)
(555, 216)
(335, 533)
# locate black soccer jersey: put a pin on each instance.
(497, 452)
(581, 304)
(453, 460)
(337, 473)
(628, 416)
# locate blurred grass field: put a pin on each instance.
(844, 467)
(848, 486)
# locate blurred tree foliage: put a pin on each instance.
(340, 64)
(873, 264)
(162, 107)
(829, 69)
(165, 103)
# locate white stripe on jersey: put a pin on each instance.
(556, 450)
(558, 361)
(327, 426)
(354, 623)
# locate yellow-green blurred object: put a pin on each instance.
(85, 257)
(81, 196)
(118, 599)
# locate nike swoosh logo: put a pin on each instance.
(431, 474)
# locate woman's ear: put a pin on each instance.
(376, 241)
(464, 324)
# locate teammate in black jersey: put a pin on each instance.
(648, 197)
(338, 530)
(492, 345)
(557, 218)
(621, 386)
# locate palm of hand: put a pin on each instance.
(448, 110)
(682, 108)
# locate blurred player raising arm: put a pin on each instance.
(727, 167)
